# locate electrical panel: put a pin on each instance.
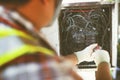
(82, 25)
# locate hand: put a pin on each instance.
(100, 56)
(85, 55)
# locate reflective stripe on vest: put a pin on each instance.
(7, 57)
(4, 32)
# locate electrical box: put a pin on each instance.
(81, 24)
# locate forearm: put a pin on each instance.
(75, 75)
(72, 58)
(103, 72)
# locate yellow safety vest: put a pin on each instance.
(7, 57)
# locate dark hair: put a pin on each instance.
(14, 2)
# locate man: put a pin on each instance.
(24, 55)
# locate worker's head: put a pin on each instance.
(39, 12)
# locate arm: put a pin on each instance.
(102, 60)
(75, 75)
(103, 72)
(66, 63)
(72, 58)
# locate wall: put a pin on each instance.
(52, 35)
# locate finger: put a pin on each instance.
(92, 46)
